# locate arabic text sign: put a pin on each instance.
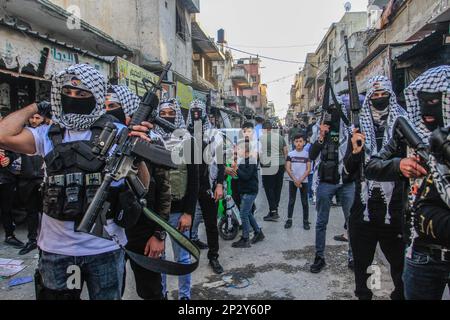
(131, 75)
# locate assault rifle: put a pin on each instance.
(355, 104)
(326, 104)
(122, 154)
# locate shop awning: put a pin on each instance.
(431, 43)
(22, 75)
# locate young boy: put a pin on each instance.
(248, 182)
(298, 167)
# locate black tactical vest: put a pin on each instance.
(74, 173)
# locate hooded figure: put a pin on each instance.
(428, 100)
(378, 113)
(127, 100)
(74, 113)
(178, 120)
(197, 112)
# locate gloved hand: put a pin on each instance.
(44, 108)
(131, 207)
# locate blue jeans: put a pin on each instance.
(325, 194)
(247, 201)
(181, 256)
(425, 278)
(102, 273)
(198, 219)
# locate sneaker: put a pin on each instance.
(319, 264)
(307, 226)
(341, 238)
(288, 224)
(242, 244)
(258, 237)
(215, 265)
(30, 246)
(200, 245)
(13, 241)
(272, 217)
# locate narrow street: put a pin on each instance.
(275, 269)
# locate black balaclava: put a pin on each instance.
(117, 113)
(428, 108)
(83, 106)
(382, 103)
(333, 119)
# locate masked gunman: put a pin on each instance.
(211, 174)
(376, 215)
(427, 212)
(184, 187)
(329, 149)
(69, 258)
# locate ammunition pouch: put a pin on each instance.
(329, 166)
(66, 197)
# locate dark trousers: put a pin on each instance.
(6, 203)
(273, 184)
(209, 209)
(364, 239)
(32, 200)
(293, 198)
(148, 283)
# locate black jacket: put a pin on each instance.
(248, 178)
(6, 175)
(385, 167)
(32, 167)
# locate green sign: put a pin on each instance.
(184, 95)
(131, 75)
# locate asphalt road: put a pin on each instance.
(277, 268)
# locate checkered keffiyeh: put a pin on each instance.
(199, 104)
(432, 81)
(344, 134)
(90, 78)
(378, 83)
(129, 100)
(179, 119)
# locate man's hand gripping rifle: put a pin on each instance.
(123, 153)
(439, 147)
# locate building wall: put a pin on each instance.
(146, 26)
(411, 18)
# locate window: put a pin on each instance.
(254, 99)
(181, 24)
(337, 76)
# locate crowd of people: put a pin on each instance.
(47, 158)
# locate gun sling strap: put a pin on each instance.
(160, 265)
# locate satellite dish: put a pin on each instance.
(348, 6)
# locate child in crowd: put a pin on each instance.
(298, 167)
(247, 173)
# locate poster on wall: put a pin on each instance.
(131, 75)
(185, 95)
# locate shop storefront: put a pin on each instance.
(28, 61)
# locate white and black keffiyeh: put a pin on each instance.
(378, 83)
(344, 134)
(432, 81)
(179, 119)
(201, 105)
(92, 79)
(128, 99)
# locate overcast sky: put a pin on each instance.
(255, 25)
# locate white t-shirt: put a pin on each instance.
(59, 237)
(299, 161)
